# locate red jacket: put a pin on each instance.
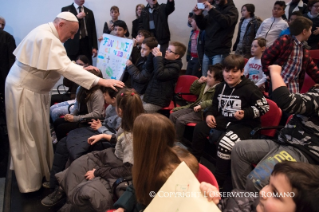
(279, 53)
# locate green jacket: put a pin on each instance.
(204, 100)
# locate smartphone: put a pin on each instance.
(201, 6)
(159, 46)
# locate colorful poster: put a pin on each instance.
(113, 54)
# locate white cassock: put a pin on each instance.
(41, 59)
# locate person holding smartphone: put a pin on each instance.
(220, 26)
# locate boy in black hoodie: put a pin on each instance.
(160, 89)
(138, 73)
(236, 110)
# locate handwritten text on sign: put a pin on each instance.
(113, 54)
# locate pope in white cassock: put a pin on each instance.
(40, 61)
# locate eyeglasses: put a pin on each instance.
(170, 51)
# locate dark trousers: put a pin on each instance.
(61, 156)
(182, 117)
(62, 127)
(201, 132)
(193, 67)
(164, 48)
(225, 140)
(84, 49)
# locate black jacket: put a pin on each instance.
(134, 28)
(245, 96)
(250, 34)
(160, 89)
(220, 26)
(139, 75)
(72, 45)
(135, 56)
(161, 13)
(7, 46)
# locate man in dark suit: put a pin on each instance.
(7, 46)
(85, 40)
(154, 18)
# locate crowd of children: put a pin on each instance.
(230, 102)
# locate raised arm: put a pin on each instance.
(305, 104)
(170, 7)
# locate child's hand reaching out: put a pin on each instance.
(239, 115)
(69, 118)
(128, 63)
(210, 191)
(95, 124)
(95, 138)
(90, 175)
(156, 52)
(274, 69)
(197, 108)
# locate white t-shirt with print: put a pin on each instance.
(253, 68)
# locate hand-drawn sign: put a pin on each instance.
(113, 53)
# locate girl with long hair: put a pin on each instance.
(155, 159)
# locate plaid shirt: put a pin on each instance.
(279, 53)
(292, 68)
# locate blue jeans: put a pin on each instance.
(211, 61)
(193, 67)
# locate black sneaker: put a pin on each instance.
(46, 184)
(53, 198)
